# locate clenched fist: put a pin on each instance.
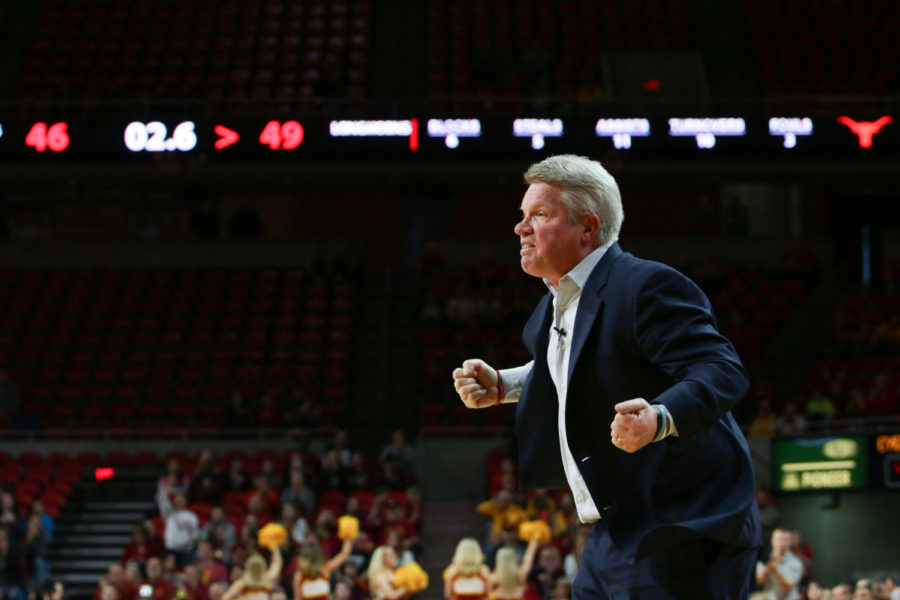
(476, 383)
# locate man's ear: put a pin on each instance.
(591, 224)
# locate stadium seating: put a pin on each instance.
(229, 49)
(122, 348)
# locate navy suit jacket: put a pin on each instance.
(643, 330)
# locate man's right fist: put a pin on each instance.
(477, 384)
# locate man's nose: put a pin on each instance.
(521, 227)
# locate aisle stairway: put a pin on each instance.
(95, 526)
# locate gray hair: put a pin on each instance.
(586, 188)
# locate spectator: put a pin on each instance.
(160, 588)
(298, 492)
(9, 398)
(509, 576)
(35, 549)
(398, 461)
(326, 531)
(341, 445)
(790, 421)
(404, 555)
(540, 505)
(206, 482)
(143, 545)
(192, 586)
(273, 477)
(182, 525)
(237, 479)
(819, 407)
(356, 476)
(218, 523)
(547, 570)
(10, 517)
(388, 514)
(502, 512)
(268, 499)
(562, 589)
(780, 575)
(47, 522)
(332, 471)
(174, 477)
(115, 579)
(296, 525)
(841, 591)
(211, 570)
(257, 579)
(12, 567)
(467, 576)
(815, 591)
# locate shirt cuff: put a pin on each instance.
(513, 381)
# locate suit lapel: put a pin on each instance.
(590, 304)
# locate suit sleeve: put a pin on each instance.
(675, 330)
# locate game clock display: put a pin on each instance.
(451, 138)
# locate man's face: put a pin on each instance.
(154, 569)
(114, 574)
(781, 541)
(551, 246)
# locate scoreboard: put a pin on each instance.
(435, 138)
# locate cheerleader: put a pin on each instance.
(509, 577)
(467, 577)
(256, 582)
(312, 580)
(381, 575)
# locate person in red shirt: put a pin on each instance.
(141, 547)
(192, 586)
(160, 588)
(211, 570)
(115, 578)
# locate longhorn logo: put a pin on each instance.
(865, 130)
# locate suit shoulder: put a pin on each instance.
(640, 270)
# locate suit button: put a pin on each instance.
(579, 498)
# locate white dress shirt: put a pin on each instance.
(565, 308)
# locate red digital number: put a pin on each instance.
(285, 136)
(40, 137)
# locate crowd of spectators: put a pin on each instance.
(212, 508)
(855, 373)
(25, 533)
(784, 570)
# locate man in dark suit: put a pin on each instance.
(627, 401)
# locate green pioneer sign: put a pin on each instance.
(833, 463)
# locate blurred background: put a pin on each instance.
(243, 244)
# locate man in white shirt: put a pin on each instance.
(780, 575)
(182, 525)
(627, 401)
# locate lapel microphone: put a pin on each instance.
(560, 332)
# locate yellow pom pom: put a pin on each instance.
(539, 530)
(411, 577)
(272, 535)
(348, 528)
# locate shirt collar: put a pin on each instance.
(579, 274)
